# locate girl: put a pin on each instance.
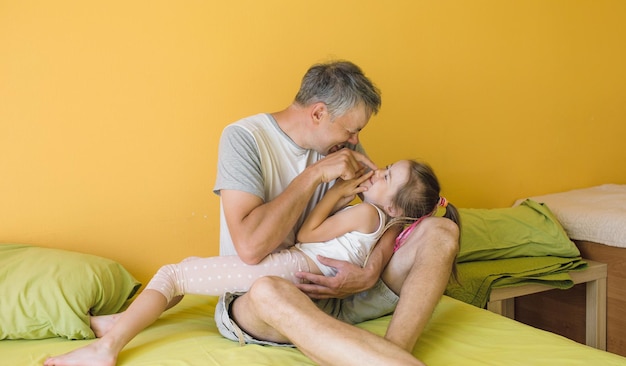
(406, 191)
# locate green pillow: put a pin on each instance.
(527, 230)
(48, 293)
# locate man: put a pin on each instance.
(272, 169)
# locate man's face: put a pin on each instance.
(343, 130)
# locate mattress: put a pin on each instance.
(596, 214)
(458, 334)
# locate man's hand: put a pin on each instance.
(345, 164)
(350, 279)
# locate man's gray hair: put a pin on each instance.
(341, 85)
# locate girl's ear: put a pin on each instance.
(393, 211)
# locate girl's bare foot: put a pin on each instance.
(94, 354)
(101, 324)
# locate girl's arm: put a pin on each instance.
(321, 226)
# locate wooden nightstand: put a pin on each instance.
(502, 300)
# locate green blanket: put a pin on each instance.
(476, 279)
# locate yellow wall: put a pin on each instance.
(110, 111)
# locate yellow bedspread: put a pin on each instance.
(458, 334)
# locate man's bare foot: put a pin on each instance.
(101, 324)
(94, 354)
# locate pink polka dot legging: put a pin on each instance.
(218, 275)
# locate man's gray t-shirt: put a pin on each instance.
(257, 157)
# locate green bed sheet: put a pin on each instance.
(458, 334)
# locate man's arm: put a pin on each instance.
(351, 278)
(258, 228)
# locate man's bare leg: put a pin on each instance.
(419, 273)
(296, 319)
(147, 308)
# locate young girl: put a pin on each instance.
(406, 191)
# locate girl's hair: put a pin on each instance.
(420, 197)
(341, 85)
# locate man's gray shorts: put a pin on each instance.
(371, 304)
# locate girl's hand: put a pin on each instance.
(349, 189)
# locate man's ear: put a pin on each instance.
(318, 112)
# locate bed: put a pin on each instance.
(458, 334)
(46, 294)
(595, 219)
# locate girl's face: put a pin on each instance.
(384, 185)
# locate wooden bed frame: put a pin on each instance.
(563, 312)
(502, 300)
(595, 220)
